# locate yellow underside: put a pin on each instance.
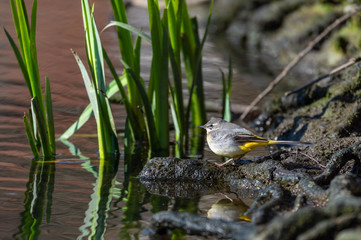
(252, 145)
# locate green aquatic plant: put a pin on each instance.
(96, 87)
(172, 34)
(111, 89)
(148, 109)
(226, 94)
(131, 55)
(39, 125)
(192, 47)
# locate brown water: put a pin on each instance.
(60, 29)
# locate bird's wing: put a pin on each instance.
(247, 137)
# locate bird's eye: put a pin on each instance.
(211, 126)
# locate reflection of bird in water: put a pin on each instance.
(228, 210)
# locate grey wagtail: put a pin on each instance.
(230, 140)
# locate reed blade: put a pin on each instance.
(33, 49)
(20, 60)
(49, 114)
(163, 90)
(158, 92)
(226, 96)
(124, 36)
(129, 28)
(43, 129)
(32, 119)
(27, 52)
(126, 49)
(112, 88)
(150, 125)
(16, 22)
(137, 48)
(31, 138)
(88, 86)
(176, 105)
(96, 86)
(137, 131)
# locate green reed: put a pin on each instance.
(96, 86)
(226, 93)
(147, 109)
(39, 125)
(173, 33)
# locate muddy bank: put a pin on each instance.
(305, 192)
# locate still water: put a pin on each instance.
(74, 197)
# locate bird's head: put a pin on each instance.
(213, 124)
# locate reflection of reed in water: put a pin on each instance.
(229, 210)
(96, 216)
(38, 197)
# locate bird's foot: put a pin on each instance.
(223, 164)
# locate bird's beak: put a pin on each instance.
(202, 126)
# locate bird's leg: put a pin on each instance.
(225, 163)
